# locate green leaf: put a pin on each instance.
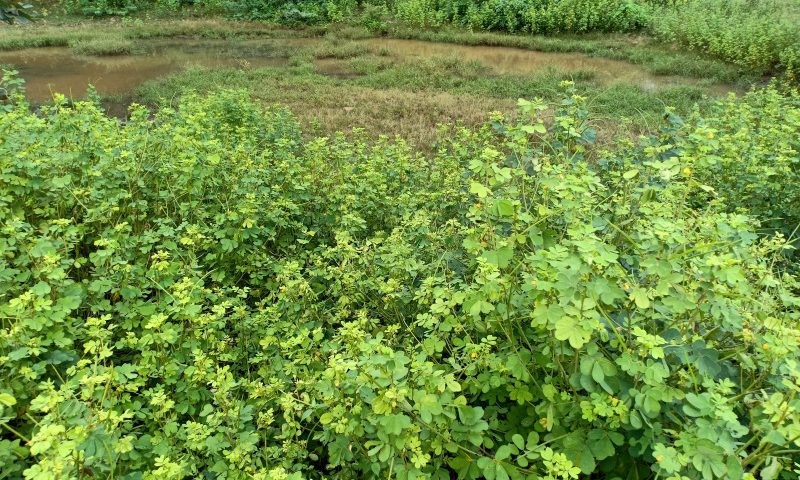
(479, 190)
(41, 289)
(479, 307)
(600, 444)
(500, 473)
(503, 452)
(7, 399)
(62, 181)
(735, 470)
(500, 257)
(504, 208)
(697, 405)
(385, 453)
(640, 297)
(538, 128)
(394, 424)
(667, 458)
(771, 471)
(519, 441)
(630, 174)
(428, 406)
(570, 329)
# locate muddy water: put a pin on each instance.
(517, 61)
(49, 70)
(56, 69)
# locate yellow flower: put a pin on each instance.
(687, 171)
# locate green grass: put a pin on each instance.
(102, 46)
(336, 48)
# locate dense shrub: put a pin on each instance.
(532, 16)
(300, 12)
(101, 8)
(15, 12)
(749, 152)
(207, 295)
(760, 34)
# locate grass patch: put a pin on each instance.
(102, 46)
(335, 48)
(327, 105)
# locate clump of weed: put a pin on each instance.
(341, 50)
(102, 46)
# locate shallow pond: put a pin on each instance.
(517, 61)
(57, 69)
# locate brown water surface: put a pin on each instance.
(518, 61)
(57, 69)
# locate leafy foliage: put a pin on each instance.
(12, 90)
(14, 12)
(762, 34)
(749, 152)
(101, 8)
(206, 294)
(530, 16)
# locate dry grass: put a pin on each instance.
(327, 106)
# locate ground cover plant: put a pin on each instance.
(205, 293)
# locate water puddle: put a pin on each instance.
(517, 61)
(48, 70)
(57, 69)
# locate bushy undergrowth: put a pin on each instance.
(207, 295)
(749, 152)
(529, 16)
(762, 34)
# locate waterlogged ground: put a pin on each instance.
(58, 69)
(335, 81)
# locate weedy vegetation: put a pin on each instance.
(209, 293)
(598, 282)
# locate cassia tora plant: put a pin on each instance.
(209, 295)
